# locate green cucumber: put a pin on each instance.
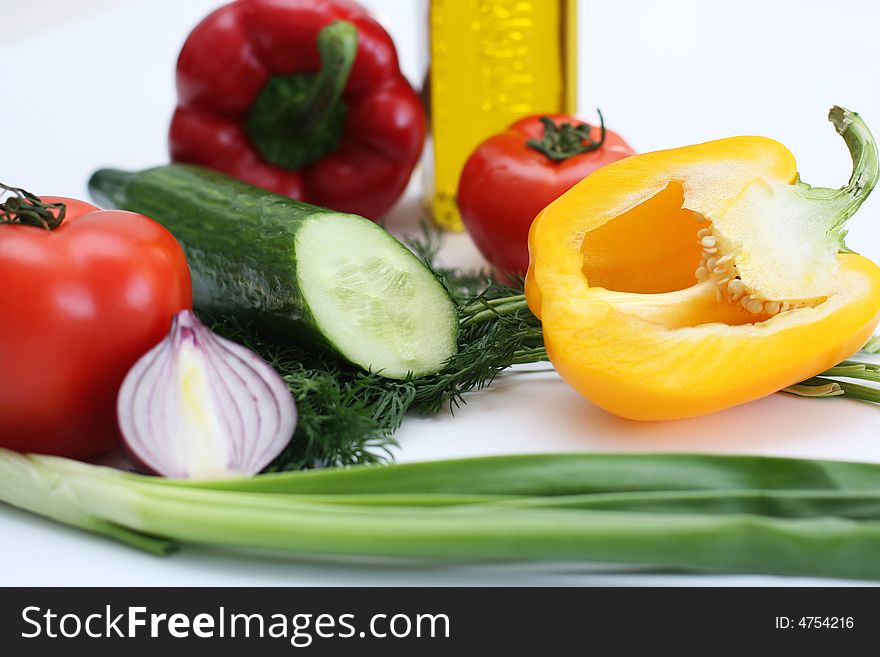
(302, 273)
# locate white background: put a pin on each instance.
(89, 83)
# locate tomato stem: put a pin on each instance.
(566, 140)
(22, 207)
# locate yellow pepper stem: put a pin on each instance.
(865, 174)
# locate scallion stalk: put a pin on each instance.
(569, 474)
(699, 512)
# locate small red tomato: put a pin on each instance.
(515, 174)
(81, 302)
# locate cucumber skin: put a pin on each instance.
(238, 240)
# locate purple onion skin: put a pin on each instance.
(248, 405)
(137, 464)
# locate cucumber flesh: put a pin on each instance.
(374, 301)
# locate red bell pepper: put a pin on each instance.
(302, 97)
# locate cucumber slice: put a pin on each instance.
(302, 273)
(379, 306)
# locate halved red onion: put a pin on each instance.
(198, 406)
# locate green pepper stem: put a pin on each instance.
(865, 173)
(337, 45)
(298, 119)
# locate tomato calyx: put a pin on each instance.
(563, 141)
(22, 207)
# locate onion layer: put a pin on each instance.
(198, 406)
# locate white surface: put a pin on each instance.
(96, 89)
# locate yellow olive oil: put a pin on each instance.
(492, 62)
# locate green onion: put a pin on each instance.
(569, 474)
(687, 511)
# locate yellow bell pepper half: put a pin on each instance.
(686, 281)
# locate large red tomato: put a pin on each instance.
(79, 305)
(515, 174)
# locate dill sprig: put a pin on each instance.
(348, 416)
(463, 285)
(497, 330)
